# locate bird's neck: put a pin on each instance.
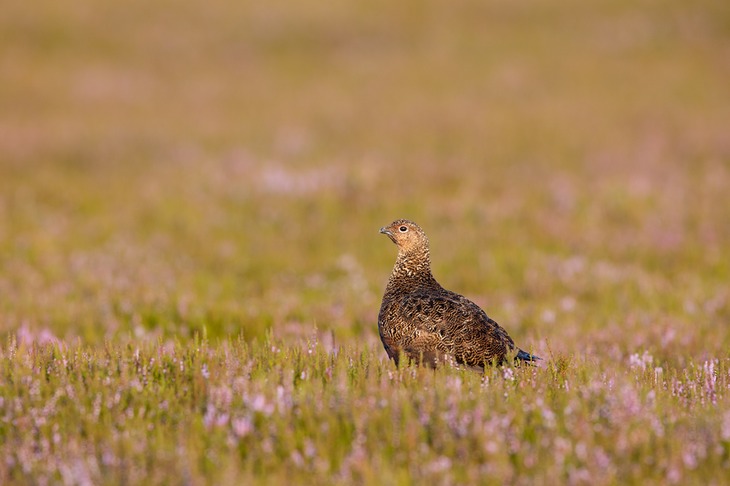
(413, 266)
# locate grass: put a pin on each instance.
(235, 412)
(190, 268)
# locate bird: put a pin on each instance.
(427, 324)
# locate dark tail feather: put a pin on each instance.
(524, 356)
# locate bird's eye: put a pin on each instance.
(403, 229)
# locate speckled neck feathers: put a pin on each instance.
(412, 269)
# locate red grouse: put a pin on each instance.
(426, 323)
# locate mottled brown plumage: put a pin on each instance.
(427, 323)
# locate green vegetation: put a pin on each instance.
(190, 264)
(242, 414)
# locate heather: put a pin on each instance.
(237, 413)
(190, 264)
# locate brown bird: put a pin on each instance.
(426, 323)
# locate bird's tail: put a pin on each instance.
(525, 356)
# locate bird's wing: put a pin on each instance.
(482, 320)
(462, 327)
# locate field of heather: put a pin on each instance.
(191, 269)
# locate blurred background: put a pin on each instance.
(172, 168)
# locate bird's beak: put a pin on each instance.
(388, 233)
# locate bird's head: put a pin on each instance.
(407, 235)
